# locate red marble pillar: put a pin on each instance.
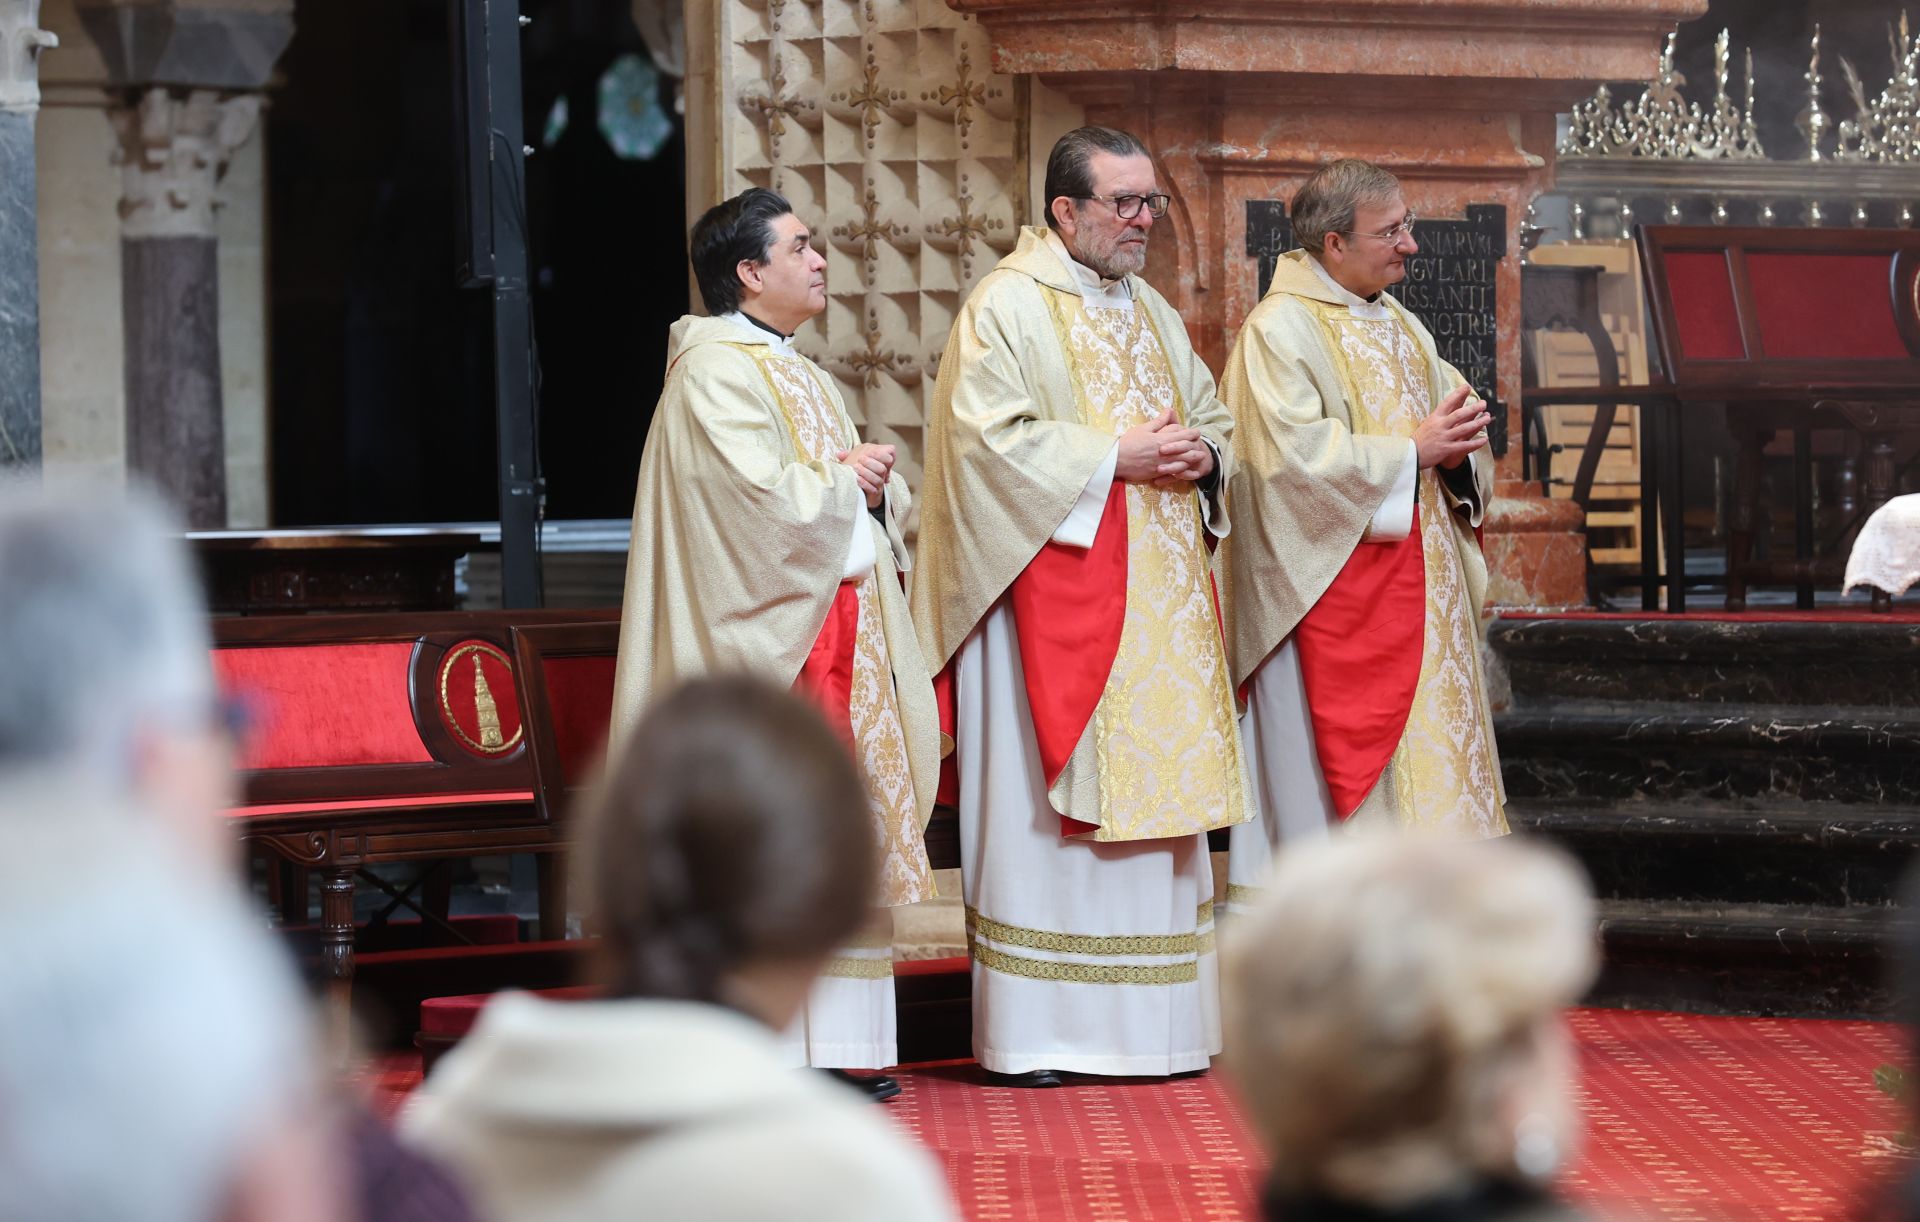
(1455, 97)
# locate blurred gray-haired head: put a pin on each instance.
(1393, 1007)
(152, 1039)
(102, 628)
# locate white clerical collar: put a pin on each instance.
(783, 344)
(1361, 307)
(1095, 289)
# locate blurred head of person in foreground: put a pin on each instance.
(105, 684)
(730, 852)
(1393, 1020)
(155, 1053)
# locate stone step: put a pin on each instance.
(1774, 853)
(1857, 663)
(1778, 959)
(1608, 752)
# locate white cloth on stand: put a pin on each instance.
(1886, 554)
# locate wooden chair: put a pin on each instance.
(1791, 330)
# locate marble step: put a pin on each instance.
(1863, 663)
(1824, 856)
(1607, 752)
(1780, 959)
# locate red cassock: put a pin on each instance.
(826, 677)
(1360, 649)
(1069, 607)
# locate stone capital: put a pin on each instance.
(21, 41)
(172, 154)
(189, 44)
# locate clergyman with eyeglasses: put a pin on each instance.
(1354, 610)
(1077, 463)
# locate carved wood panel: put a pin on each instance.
(884, 125)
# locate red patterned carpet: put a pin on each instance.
(1688, 1117)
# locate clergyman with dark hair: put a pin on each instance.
(1077, 461)
(767, 540)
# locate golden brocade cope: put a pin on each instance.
(1325, 398)
(740, 531)
(1035, 386)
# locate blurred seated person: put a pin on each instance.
(729, 855)
(108, 709)
(1393, 1020)
(155, 1054)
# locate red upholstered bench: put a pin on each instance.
(383, 738)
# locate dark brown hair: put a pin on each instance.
(1070, 164)
(733, 829)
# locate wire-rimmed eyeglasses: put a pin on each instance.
(1403, 230)
(1126, 207)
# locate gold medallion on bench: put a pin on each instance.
(478, 703)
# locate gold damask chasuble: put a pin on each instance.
(1166, 749)
(1444, 772)
(742, 520)
(880, 741)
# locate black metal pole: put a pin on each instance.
(513, 382)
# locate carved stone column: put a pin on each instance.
(21, 41)
(1242, 101)
(172, 153)
(190, 72)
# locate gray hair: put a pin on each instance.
(150, 1031)
(1387, 996)
(1326, 202)
(102, 627)
(1069, 165)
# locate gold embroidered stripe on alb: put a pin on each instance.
(1238, 893)
(859, 969)
(1085, 973)
(1081, 944)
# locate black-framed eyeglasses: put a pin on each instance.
(1126, 207)
(1403, 230)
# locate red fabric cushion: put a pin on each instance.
(323, 705)
(455, 1016)
(1812, 306)
(580, 707)
(1703, 315)
(1360, 651)
(382, 803)
(952, 965)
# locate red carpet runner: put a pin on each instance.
(1687, 1117)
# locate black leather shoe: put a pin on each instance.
(1033, 1079)
(878, 1087)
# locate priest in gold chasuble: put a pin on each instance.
(1077, 462)
(766, 539)
(1353, 610)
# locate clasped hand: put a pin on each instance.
(872, 463)
(1163, 453)
(1453, 430)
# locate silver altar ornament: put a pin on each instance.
(1888, 130)
(1661, 123)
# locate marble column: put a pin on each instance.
(172, 152)
(1242, 102)
(21, 41)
